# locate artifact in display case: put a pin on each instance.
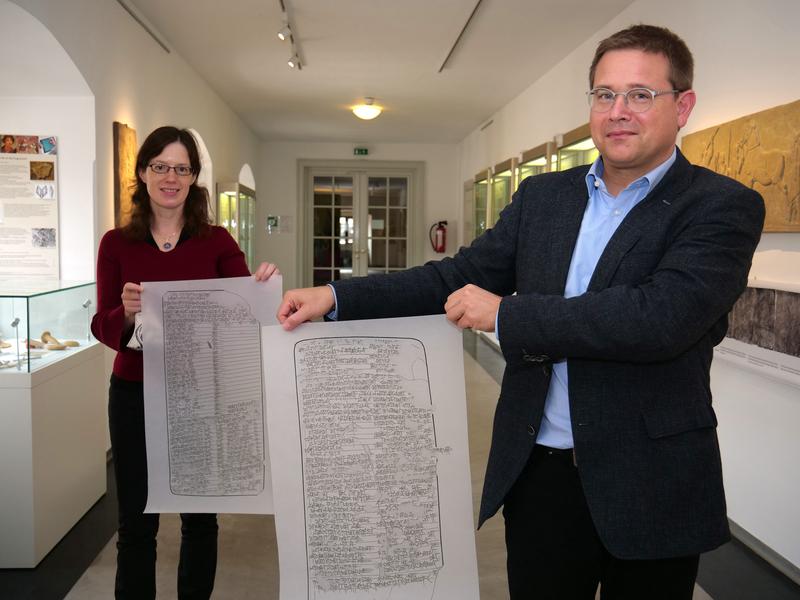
(236, 212)
(577, 149)
(481, 205)
(42, 322)
(535, 161)
(502, 186)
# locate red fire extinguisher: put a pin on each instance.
(438, 236)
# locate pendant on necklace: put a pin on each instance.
(166, 246)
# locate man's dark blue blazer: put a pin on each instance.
(639, 345)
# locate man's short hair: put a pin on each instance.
(656, 40)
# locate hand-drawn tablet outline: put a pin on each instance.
(309, 583)
(263, 408)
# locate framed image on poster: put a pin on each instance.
(28, 206)
(124, 171)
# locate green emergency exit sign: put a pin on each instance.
(361, 151)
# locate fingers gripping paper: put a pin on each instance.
(372, 487)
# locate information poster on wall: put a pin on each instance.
(28, 206)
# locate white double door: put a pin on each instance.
(358, 223)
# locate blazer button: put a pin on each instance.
(531, 430)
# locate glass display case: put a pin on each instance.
(236, 212)
(42, 322)
(481, 205)
(577, 149)
(535, 161)
(502, 186)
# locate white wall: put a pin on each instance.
(746, 58)
(277, 184)
(134, 81)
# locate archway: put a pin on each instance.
(44, 93)
(246, 177)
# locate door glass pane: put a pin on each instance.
(343, 191)
(322, 253)
(377, 222)
(343, 254)
(323, 225)
(323, 191)
(398, 191)
(397, 253)
(377, 253)
(397, 222)
(377, 191)
(322, 276)
(343, 222)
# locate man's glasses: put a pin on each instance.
(637, 100)
(162, 169)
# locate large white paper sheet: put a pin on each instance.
(370, 463)
(205, 417)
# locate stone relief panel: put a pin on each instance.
(767, 318)
(762, 151)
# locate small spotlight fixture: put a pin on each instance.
(368, 110)
(286, 34)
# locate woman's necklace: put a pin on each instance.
(167, 244)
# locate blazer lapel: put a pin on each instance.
(564, 233)
(636, 223)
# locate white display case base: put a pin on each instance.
(52, 453)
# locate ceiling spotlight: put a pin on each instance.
(284, 34)
(368, 110)
(294, 62)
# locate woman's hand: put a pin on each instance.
(265, 270)
(131, 300)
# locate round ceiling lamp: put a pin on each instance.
(367, 111)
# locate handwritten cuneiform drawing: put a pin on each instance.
(369, 459)
(215, 422)
(762, 151)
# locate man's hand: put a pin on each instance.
(264, 271)
(305, 304)
(473, 307)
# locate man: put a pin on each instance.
(604, 452)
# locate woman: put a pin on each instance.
(169, 237)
